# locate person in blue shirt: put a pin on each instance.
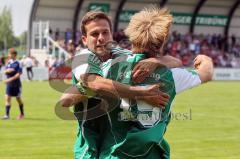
(13, 72)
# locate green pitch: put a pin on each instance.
(205, 124)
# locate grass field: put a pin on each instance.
(205, 124)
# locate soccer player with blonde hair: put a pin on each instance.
(148, 30)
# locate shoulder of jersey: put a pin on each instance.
(119, 50)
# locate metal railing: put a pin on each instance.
(55, 49)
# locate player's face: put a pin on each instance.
(98, 33)
(11, 56)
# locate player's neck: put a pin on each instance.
(147, 53)
(137, 51)
(105, 57)
(12, 59)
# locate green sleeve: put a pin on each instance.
(91, 67)
(94, 67)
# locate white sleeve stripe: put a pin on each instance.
(184, 79)
(80, 63)
(78, 71)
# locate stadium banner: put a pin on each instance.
(60, 73)
(201, 19)
(104, 7)
(183, 18)
(126, 15)
(226, 74)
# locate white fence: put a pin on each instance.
(226, 74)
(40, 74)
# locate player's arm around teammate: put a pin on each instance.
(102, 85)
(96, 30)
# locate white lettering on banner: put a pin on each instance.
(99, 7)
(182, 19)
(224, 22)
(211, 21)
(208, 21)
(227, 74)
(237, 74)
(188, 20)
(223, 75)
(201, 19)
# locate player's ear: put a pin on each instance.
(84, 40)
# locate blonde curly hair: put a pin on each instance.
(148, 29)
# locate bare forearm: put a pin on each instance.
(7, 71)
(71, 97)
(105, 86)
(169, 61)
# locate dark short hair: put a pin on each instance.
(92, 16)
(12, 51)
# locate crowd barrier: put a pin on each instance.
(40, 74)
(226, 74)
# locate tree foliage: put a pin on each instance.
(6, 30)
(21, 41)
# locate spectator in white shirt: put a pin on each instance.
(28, 62)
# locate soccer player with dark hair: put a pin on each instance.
(134, 129)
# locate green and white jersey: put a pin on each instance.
(153, 121)
(119, 69)
(90, 131)
(135, 120)
(175, 81)
(86, 62)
